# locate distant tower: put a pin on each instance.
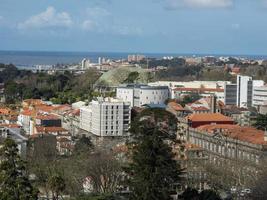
(99, 60)
(83, 63)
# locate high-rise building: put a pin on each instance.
(230, 91)
(139, 95)
(244, 91)
(85, 63)
(106, 117)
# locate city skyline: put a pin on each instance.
(171, 26)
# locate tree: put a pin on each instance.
(57, 185)
(261, 122)
(14, 181)
(83, 145)
(193, 194)
(153, 170)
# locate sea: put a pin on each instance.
(24, 59)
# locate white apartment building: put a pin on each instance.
(139, 95)
(106, 117)
(244, 91)
(259, 96)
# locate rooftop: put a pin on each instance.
(176, 106)
(246, 134)
(199, 89)
(206, 117)
(47, 117)
(42, 129)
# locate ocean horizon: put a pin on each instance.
(31, 58)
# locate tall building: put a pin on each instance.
(244, 91)
(139, 95)
(135, 58)
(230, 92)
(106, 117)
(85, 63)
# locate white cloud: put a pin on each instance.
(97, 12)
(89, 25)
(50, 18)
(174, 4)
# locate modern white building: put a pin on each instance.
(241, 94)
(139, 95)
(106, 117)
(85, 63)
(244, 91)
(259, 96)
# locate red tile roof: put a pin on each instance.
(47, 117)
(10, 125)
(199, 108)
(28, 112)
(176, 106)
(246, 134)
(206, 117)
(5, 111)
(42, 129)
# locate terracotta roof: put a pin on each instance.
(64, 107)
(42, 129)
(47, 117)
(205, 117)
(27, 112)
(199, 108)
(176, 106)
(199, 89)
(44, 108)
(33, 101)
(10, 125)
(246, 134)
(5, 111)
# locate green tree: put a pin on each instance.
(153, 170)
(261, 122)
(14, 181)
(84, 145)
(132, 77)
(57, 185)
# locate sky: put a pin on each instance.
(151, 26)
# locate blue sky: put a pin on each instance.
(173, 26)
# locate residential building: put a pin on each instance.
(259, 96)
(139, 95)
(106, 117)
(135, 58)
(14, 134)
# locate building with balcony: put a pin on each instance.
(106, 117)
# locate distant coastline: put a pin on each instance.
(31, 58)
